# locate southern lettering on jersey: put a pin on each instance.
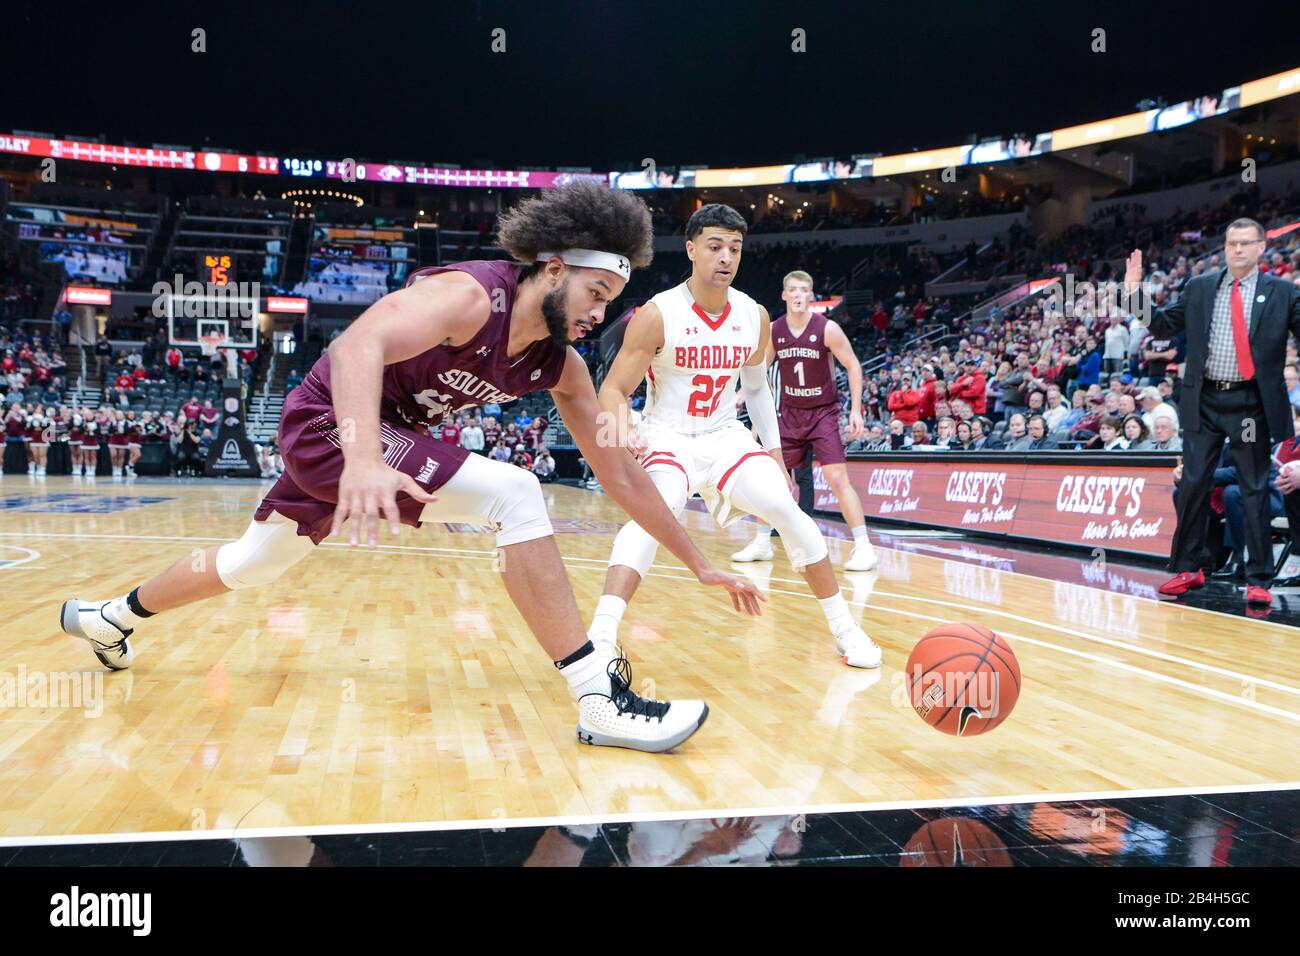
(804, 361)
(424, 389)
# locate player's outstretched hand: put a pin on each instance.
(745, 595)
(368, 495)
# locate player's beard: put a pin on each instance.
(557, 322)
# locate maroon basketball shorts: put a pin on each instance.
(313, 463)
(816, 429)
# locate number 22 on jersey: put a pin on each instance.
(708, 393)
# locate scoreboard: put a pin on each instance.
(217, 268)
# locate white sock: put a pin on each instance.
(860, 538)
(608, 616)
(837, 613)
(762, 533)
(589, 674)
(119, 612)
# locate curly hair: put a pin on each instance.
(583, 214)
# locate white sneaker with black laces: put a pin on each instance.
(625, 719)
(857, 649)
(86, 620)
(760, 549)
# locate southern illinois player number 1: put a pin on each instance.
(707, 394)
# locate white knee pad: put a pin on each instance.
(756, 492)
(633, 546)
(490, 492)
(519, 511)
(267, 549)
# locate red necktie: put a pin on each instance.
(1244, 362)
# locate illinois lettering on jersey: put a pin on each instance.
(804, 363)
(690, 382)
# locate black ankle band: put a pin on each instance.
(133, 602)
(576, 656)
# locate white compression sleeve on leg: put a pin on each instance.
(266, 550)
(761, 405)
(484, 491)
(633, 546)
(761, 492)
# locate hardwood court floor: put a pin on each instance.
(400, 686)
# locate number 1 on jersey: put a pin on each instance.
(708, 393)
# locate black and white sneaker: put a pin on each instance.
(625, 719)
(86, 620)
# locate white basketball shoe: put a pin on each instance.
(760, 549)
(857, 649)
(107, 638)
(863, 558)
(625, 719)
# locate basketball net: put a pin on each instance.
(208, 345)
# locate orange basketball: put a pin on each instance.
(955, 841)
(962, 679)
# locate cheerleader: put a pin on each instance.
(39, 427)
(134, 434)
(92, 432)
(76, 430)
(118, 441)
(15, 425)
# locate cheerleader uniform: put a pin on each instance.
(36, 431)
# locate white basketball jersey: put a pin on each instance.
(691, 382)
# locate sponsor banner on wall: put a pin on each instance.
(1117, 506)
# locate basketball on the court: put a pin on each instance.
(955, 841)
(962, 679)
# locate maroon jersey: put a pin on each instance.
(805, 364)
(422, 390)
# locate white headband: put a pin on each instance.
(591, 259)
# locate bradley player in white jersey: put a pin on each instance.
(804, 347)
(690, 344)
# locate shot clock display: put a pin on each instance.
(217, 268)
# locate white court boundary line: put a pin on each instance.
(914, 554)
(1082, 635)
(505, 823)
(587, 819)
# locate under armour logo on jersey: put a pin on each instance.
(735, 328)
(537, 373)
(781, 340)
(483, 351)
(691, 331)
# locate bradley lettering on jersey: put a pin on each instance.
(712, 356)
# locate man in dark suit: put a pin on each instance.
(1236, 323)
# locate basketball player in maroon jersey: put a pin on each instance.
(808, 411)
(361, 440)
